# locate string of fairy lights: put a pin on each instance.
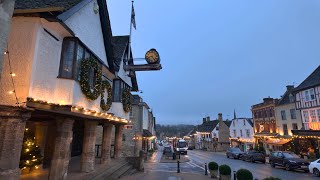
(12, 75)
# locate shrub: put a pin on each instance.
(271, 178)
(225, 169)
(244, 174)
(213, 166)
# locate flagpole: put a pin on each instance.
(129, 43)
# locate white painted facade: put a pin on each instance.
(242, 133)
(287, 119)
(35, 59)
(242, 129)
(215, 132)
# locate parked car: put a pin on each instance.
(167, 150)
(190, 148)
(235, 153)
(314, 167)
(254, 156)
(289, 160)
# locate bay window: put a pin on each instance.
(73, 52)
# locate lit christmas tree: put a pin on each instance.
(30, 153)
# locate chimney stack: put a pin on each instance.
(290, 87)
(204, 120)
(220, 116)
(208, 118)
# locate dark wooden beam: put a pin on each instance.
(143, 67)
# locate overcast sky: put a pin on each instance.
(218, 56)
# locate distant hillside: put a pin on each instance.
(173, 130)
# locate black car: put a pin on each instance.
(289, 160)
(254, 156)
(235, 153)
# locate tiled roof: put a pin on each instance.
(119, 45)
(208, 126)
(312, 80)
(228, 123)
(40, 4)
(286, 97)
(250, 121)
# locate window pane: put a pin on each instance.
(285, 129)
(67, 59)
(116, 91)
(306, 116)
(283, 115)
(318, 111)
(313, 115)
(293, 114)
(80, 54)
(294, 126)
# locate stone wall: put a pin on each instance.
(224, 133)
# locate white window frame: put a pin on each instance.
(309, 95)
(306, 117)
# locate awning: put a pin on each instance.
(146, 133)
(277, 141)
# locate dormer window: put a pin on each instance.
(309, 95)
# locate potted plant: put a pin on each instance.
(213, 168)
(225, 172)
(244, 174)
(271, 178)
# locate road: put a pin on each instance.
(199, 158)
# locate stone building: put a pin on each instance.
(139, 134)
(60, 54)
(213, 135)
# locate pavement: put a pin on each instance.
(195, 168)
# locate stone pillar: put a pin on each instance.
(89, 143)
(118, 141)
(12, 126)
(61, 153)
(106, 143)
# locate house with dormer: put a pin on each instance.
(63, 76)
(307, 101)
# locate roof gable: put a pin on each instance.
(312, 80)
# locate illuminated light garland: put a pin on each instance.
(126, 100)
(106, 106)
(86, 66)
(12, 80)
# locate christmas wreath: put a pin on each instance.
(86, 66)
(126, 100)
(106, 106)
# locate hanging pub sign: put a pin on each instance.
(152, 56)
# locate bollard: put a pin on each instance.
(178, 170)
(205, 169)
(234, 175)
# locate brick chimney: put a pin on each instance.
(268, 99)
(208, 118)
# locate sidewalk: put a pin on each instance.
(159, 175)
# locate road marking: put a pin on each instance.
(196, 165)
(191, 164)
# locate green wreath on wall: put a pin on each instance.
(86, 66)
(126, 100)
(106, 106)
